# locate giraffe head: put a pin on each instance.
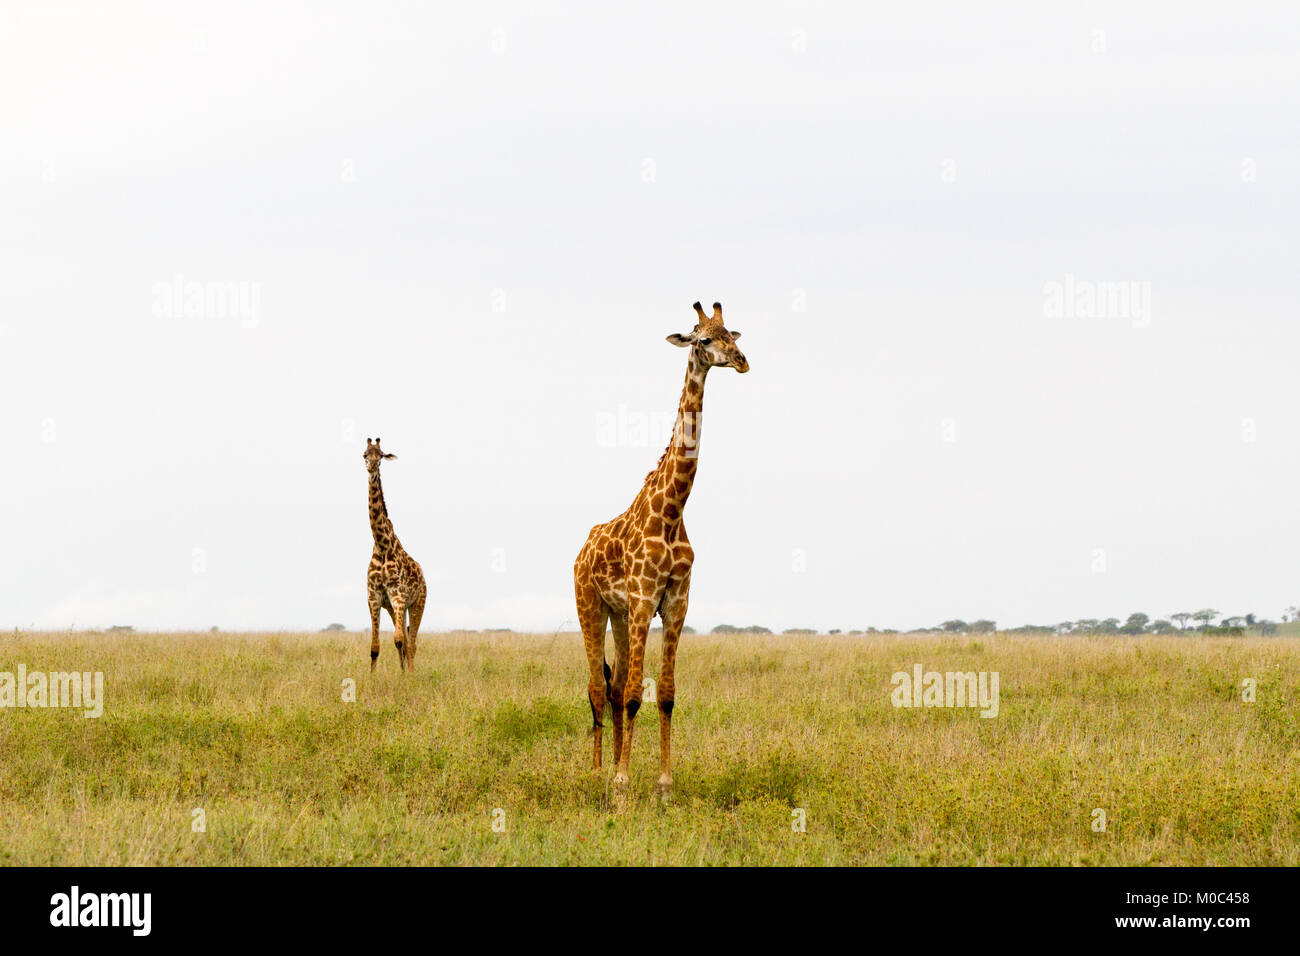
(711, 341)
(373, 454)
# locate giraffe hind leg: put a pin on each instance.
(592, 617)
(639, 613)
(618, 679)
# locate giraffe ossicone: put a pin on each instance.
(639, 564)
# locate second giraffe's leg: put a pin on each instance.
(399, 632)
(375, 603)
(413, 615)
(674, 617)
(639, 613)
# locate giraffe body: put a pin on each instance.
(639, 565)
(394, 580)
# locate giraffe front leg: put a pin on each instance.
(639, 613)
(414, 613)
(399, 632)
(375, 602)
(618, 677)
(674, 617)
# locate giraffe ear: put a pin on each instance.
(735, 335)
(681, 341)
(389, 455)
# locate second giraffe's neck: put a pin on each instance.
(380, 526)
(676, 473)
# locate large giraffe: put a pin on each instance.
(639, 564)
(394, 579)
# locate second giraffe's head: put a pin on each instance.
(373, 455)
(712, 342)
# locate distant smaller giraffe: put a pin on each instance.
(394, 579)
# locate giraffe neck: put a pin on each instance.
(380, 525)
(676, 473)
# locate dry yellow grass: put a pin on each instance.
(252, 730)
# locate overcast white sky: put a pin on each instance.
(469, 231)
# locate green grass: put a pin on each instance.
(252, 730)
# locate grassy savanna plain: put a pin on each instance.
(253, 730)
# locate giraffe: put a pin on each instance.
(394, 579)
(639, 564)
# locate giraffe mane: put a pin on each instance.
(383, 505)
(659, 464)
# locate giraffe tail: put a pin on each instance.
(596, 718)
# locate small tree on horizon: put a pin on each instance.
(1136, 623)
(1182, 617)
(1205, 616)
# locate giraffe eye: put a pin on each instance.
(705, 341)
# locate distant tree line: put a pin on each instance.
(1136, 623)
(1139, 623)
